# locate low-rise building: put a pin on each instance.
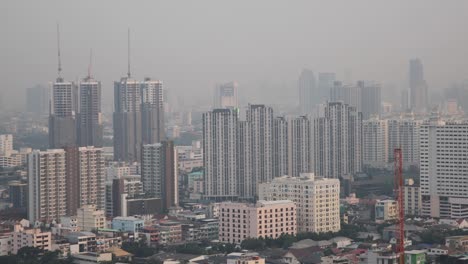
(91, 257)
(317, 200)
(457, 242)
(415, 257)
(170, 233)
(89, 218)
(127, 224)
(6, 244)
(34, 237)
(239, 221)
(86, 241)
(385, 210)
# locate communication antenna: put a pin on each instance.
(90, 63)
(58, 52)
(128, 54)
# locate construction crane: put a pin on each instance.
(400, 243)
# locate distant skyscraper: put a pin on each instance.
(404, 133)
(371, 101)
(261, 123)
(159, 173)
(301, 148)
(375, 142)
(444, 178)
(417, 86)
(326, 81)
(280, 147)
(46, 181)
(127, 120)
(90, 116)
(348, 94)
(220, 154)
(308, 92)
(338, 141)
(152, 112)
(37, 100)
(63, 108)
(225, 95)
(62, 123)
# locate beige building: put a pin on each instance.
(317, 200)
(89, 218)
(385, 210)
(92, 176)
(22, 237)
(239, 221)
(47, 199)
(6, 145)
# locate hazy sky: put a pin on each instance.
(191, 45)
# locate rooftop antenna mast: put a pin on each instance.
(90, 63)
(58, 53)
(128, 54)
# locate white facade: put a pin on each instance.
(375, 142)
(220, 153)
(260, 118)
(337, 141)
(444, 170)
(239, 221)
(404, 133)
(89, 218)
(280, 146)
(317, 200)
(46, 183)
(300, 146)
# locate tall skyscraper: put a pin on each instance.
(403, 133)
(308, 92)
(225, 95)
(371, 101)
(348, 94)
(375, 142)
(300, 146)
(444, 178)
(90, 116)
(244, 160)
(338, 141)
(63, 107)
(159, 173)
(280, 147)
(152, 111)
(91, 171)
(326, 81)
(261, 124)
(220, 154)
(127, 120)
(417, 86)
(37, 100)
(46, 181)
(62, 122)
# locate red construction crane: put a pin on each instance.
(400, 244)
